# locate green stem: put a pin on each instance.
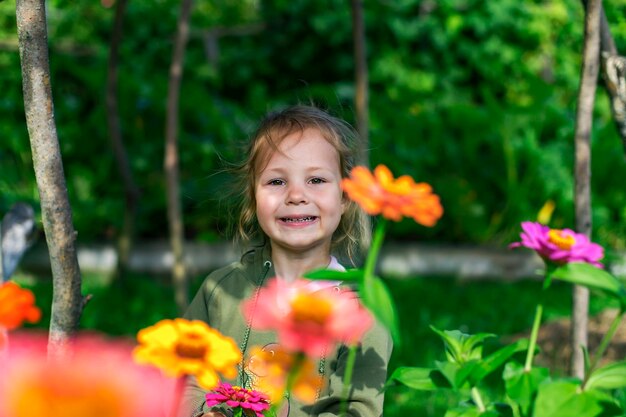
(372, 256)
(604, 344)
(368, 275)
(478, 400)
(295, 370)
(291, 378)
(533, 338)
(347, 379)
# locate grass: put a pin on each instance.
(498, 307)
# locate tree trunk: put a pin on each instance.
(175, 217)
(131, 192)
(582, 171)
(361, 81)
(613, 74)
(67, 302)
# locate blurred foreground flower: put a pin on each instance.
(559, 246)
(306, 318)
(182, 347)
(275, 367)
(234, 397)
(100, 380)
(379, 193)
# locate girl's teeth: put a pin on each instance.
(302, 219)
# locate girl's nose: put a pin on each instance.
(296, 195)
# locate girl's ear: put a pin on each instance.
(344, 203)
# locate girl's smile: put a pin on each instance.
(298, 220)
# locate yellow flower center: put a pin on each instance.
(560, 239)
(191, 346)
(307, 308)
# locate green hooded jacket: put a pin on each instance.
(218, 303)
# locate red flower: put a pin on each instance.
(379, 193)
(238, 397)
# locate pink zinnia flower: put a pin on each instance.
(306, 318)
(238, 397)
(559, 246)
(99, 379)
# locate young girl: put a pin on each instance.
(294, 205)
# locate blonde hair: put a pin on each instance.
(352, 234)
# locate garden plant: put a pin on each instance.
(529, 390)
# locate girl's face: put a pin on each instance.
(299, 201)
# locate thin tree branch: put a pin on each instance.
(174, 210)
(360, 80)
(131, 190)
(582, 171)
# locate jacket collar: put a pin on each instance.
(259, 259)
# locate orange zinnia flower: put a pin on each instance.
(273, 367)
(183, 347)
(17, 305)
(380, 193)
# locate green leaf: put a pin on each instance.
(416, 378)
(504, 410)
(472, 347)
(377, 299)
(612, 376)
(440, 380)
(587, 275)
(462, 347)
(586, 358)
(472, 412)
(449, 370)
(521, 386)
(496, 359)
(463, 412)
(564, 398)
(332, 275)
(452, 342)
(464, 373)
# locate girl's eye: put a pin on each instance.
(275, 182)
(317, 181)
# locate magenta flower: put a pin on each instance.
(559, 246)
(238, 397)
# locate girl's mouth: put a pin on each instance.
(306, 219)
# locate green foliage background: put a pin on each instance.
(475, 97)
